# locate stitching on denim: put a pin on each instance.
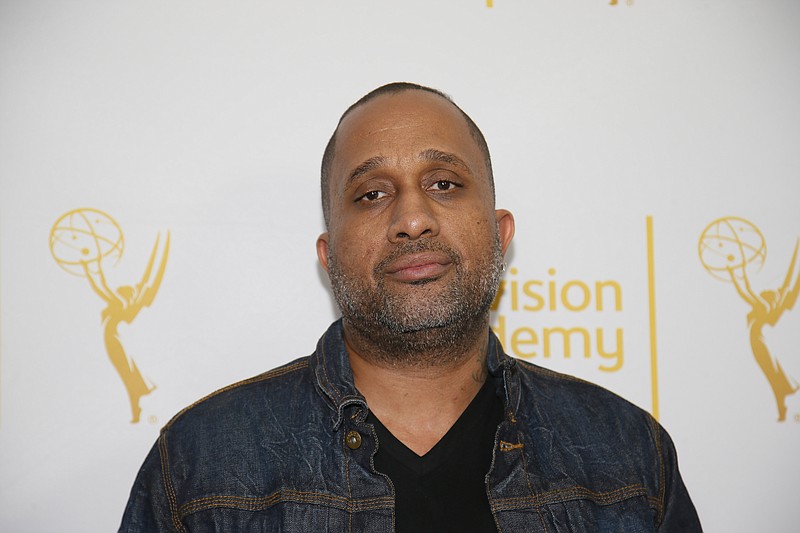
(323, 361)
(508, 399)
(572, 493)
(283, 496)
(168, 488)
(660, 508)
(265, 502)
(488, 484)
(374, 436)
(303, 363)
(530, 487)
(349, 487)
(328, 387)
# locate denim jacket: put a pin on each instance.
(289, 451)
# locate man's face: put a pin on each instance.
(414, 245)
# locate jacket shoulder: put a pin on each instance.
(575, 395)
(268, 388)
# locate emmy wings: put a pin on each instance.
(786, 296)
(145, 291)
(126, 303)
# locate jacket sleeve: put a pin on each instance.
(678, 512)
(148, 509)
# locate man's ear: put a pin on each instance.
(322, 250)
(505, 225)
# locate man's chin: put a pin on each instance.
(419, 327)
(422, 341)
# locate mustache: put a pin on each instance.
(415, 247)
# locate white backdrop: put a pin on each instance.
(208, 120)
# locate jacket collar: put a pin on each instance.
(503, 366)
(334, 375)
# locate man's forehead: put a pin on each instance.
(401, 109)
(389, 120)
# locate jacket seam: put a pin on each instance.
(168, 488)
(533, 494)
(323, 363)
(288, 369)
(543, 499)
(349, 486)
(284, 496)
(661, 472)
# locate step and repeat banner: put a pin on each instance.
(159, 205)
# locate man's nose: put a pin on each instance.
(412, 217)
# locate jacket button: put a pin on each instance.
(353, 440)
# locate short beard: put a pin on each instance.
(430, 328)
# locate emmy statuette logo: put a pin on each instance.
(85, 242)
(730, 249)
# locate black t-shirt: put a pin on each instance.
(445, 490)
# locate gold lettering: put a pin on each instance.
(538, 298)
(514, 292)
(599, 294)
(587, 295)
(552, 286)
(575, 295)
(566, 334)
(523, 336)
(616, 355)
(500, 329)
(524, 340)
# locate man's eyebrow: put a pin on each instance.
(367, 166)
(444, 157)
(430, 154)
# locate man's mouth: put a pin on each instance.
(418, 267)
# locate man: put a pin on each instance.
(408, 416)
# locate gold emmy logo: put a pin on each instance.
(83, 242)
(730, 248)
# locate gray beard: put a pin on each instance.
(426, 325)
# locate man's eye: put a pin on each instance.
(444, 185)
(372, 196)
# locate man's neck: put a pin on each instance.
(419, 403)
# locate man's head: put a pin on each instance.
(414, 245)
(393, 88)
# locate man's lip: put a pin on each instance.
(418, 266)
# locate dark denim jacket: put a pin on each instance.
(289, 451)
